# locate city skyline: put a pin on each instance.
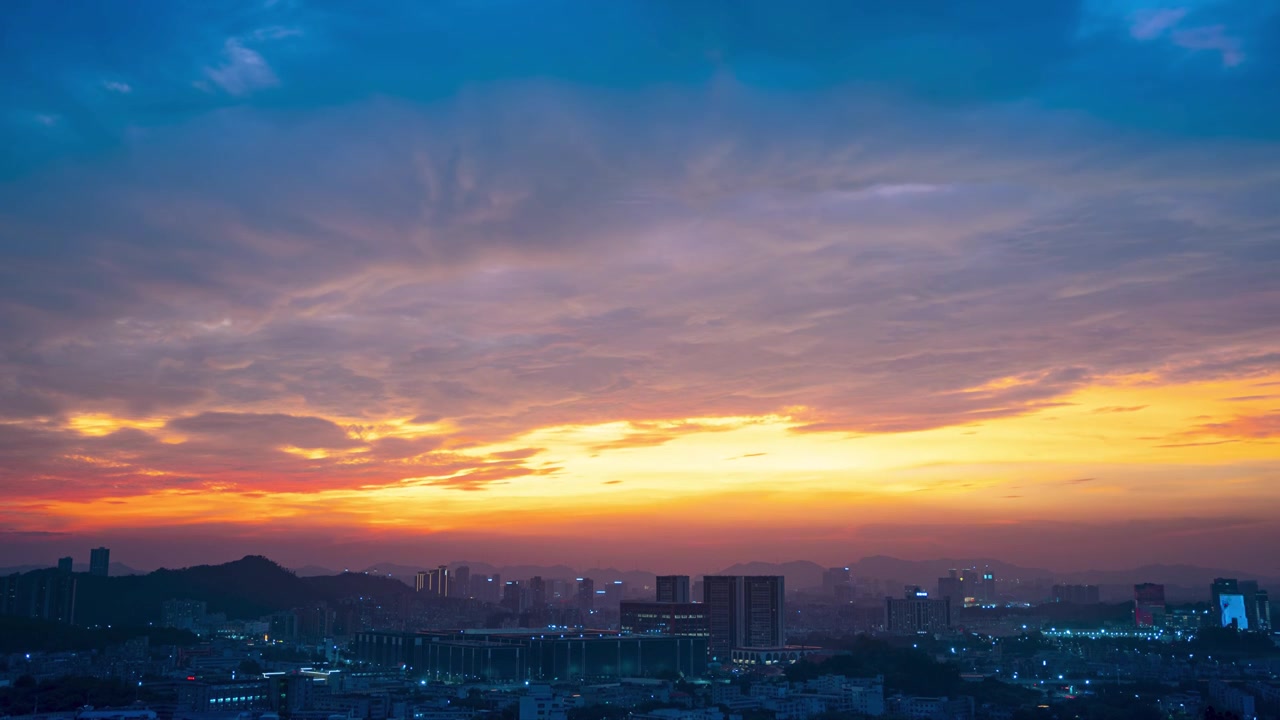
(639, 281)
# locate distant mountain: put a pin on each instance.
(244, 589)
(403, 573)
(1180, 575)
(926, 572)
(798, 573)
(352, 585)
(313, 571)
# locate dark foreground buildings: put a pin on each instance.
(505, 655)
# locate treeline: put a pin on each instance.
(27, 635)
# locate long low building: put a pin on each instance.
(507, 655)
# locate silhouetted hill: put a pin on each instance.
(353, 585)
(243, 589)
(312, 571)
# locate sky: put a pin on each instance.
(664, 285)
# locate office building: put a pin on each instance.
(613, 593)
(65, 564)
(763, 602)
(1249, 589)
(514, 597)
(664, 618)
(99, 562)
(1076, 594)
(183, 613)
(1262, 603)
(744, 612)
(673, 588)
(952, 588)
(1231, 604)
(1148, 605)
(537, 593)
(586, 595)
(833, 578)
(45, 594)
(917, 613)
(460, 582)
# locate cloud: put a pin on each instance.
(1151, 24)
(865, 222)
(117, 86)
(264, 429)
(1256, 427)
(1212, 38)
(242, 70)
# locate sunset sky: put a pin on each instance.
(667, 285)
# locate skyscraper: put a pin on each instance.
(722, 595)
(65, 564)
(763, 599)
(537, 593)
(1148, 605)
(744, 612)
(833, 578)
(99, 562)
(1249, 589)
(951, 588)
(433, 582)
(673, 588)
(586, 597)
(460, 583)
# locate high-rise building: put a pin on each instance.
(65, 564)
(988, 595)
(514, 597)
(834, 578)
(673, 588)
(1231, 602)
(487, 588)
(664, 618)
(1076, 594)
(99, 562)
(433, 582)
(537, 593)
(722, 594)
(460, 582)
(586, 597)
(184, 614)
(1148, 605)
(614, 592)
(1222, 586)
(763, 601)
(744, 612)
(1262, 601)
(45, 594)
(952, 588)
(916, 613)
(1249, 589)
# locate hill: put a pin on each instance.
(244, 589)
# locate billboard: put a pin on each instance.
(1233, 612)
